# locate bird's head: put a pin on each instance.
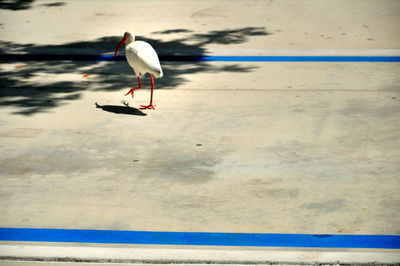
(129, 37)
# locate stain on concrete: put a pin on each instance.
(22, 133)
(5, 195)
(391, 204)
(17, 165)
(182, 165)
(194, 202)
(356, 108)
(209, 12)
(260, 182)
(277, 193)
(63, 159)
(325, 206)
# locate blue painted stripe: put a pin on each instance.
(208, 239)
(194, 58)
(302, 58)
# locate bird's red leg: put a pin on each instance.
(131, 91)
(150, 106)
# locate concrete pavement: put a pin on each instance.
(309, 24)
(242, 161)
(257, 147)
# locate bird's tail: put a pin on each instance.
(158, 73)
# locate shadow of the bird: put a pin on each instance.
(126, 110)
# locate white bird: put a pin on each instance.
(143, 59)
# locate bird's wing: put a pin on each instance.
(148, 56)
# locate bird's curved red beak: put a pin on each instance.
(123, 40)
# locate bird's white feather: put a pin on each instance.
(143, 59)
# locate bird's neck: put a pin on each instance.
(128, 42)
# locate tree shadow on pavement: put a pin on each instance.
(16, 4)
(37, 86)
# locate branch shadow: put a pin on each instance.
(38, 86)
(16, 4)
(116, 109)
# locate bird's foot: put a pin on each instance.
(125, 103)
(131, 91)
(150, 106)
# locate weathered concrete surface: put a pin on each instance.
(239, 158)
(357, 24)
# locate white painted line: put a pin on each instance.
(231, 52)
(289, 52)
(175, 255)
